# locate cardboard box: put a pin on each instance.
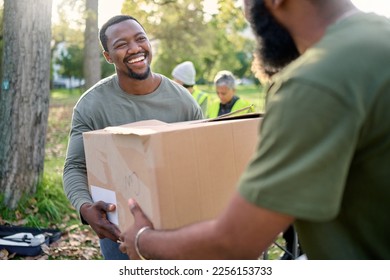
(179, 173)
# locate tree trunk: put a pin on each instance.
(24, 97)
(92, 51)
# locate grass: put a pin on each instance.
(49, 207)
(50, 195)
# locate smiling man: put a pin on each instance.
(133, 93)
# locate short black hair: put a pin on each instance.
(110, 22)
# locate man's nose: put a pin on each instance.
(133, 47)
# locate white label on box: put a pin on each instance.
(107, 196)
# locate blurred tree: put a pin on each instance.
(67, 30)
(24, 98)
(232, 50)
(77, 26)
(92, 52)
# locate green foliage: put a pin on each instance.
(230, 16)
(46, 208)
(71, 62)
(107, 68)
(51, 200)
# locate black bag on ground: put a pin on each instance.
(26, 241)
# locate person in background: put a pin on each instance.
(184, 74)
(134, 93)
(324, 144)
(228, 101)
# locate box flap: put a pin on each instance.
(129, 130)
(231, 116)
(150, 127)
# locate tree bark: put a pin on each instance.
(24, 97)
(92, 51)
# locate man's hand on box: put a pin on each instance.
(128, 238)
(96, 216)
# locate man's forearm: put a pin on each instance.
(242, 231)
(76, 186)
(205, 243)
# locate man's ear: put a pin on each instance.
(275, 3)
(107, 57)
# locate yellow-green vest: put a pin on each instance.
(240, 104)
(201, 98)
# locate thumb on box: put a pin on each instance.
(135, 209)
(137, 212)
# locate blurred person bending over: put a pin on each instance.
(184, 74)
(323, 156)
(134, 93)
(228, 101)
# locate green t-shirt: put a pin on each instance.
(106, 104)
(324, 152)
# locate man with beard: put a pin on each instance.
(324, 152)
(133, 94)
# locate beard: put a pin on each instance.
(138, 76)
(276, 47)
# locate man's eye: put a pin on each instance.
(119, 46)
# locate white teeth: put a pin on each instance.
(136, 59)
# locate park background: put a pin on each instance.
(212, 34)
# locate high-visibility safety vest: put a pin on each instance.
(201, 98)
(239, 104)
